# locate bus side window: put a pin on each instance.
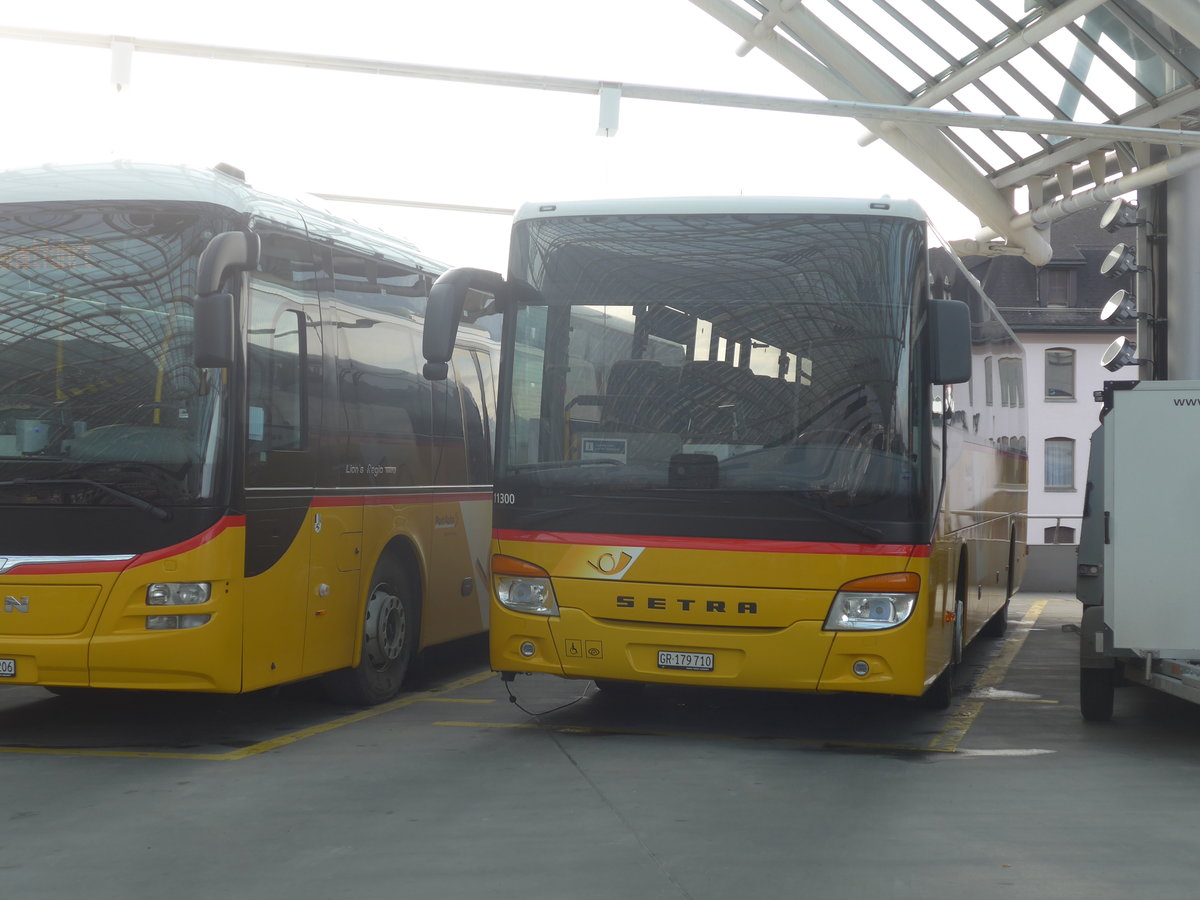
(383, 404)
(275, 384)
(283, 364)
(479, 463)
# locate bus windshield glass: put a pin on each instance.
(99, 398)
(732, 375)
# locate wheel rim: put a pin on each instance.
(386, 628)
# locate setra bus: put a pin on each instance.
(220, 466)
(746, 443)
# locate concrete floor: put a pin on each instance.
(454, 792)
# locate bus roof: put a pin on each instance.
(699, 206)
(152, 182)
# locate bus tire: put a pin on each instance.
(941, 692)
(391, 629)
(1096, 687)
(619, 690)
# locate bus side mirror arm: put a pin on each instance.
(950, 344)
(444, 311)
(236, 250)
(213, 311)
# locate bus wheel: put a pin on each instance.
(390, 632)
(941, 692)
(1096, 688)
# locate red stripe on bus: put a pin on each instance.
(119, 565)
(825, 548)
(192, 543)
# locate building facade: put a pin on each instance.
(1055, 311)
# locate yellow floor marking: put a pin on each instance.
(449, 700)
(963, 716)
(273, 743)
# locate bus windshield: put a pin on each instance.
(99, 399)
(759, 365)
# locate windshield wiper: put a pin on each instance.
(136, 502)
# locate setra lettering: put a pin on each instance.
(662, 604)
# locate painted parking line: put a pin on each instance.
(963, 716)
(947, 740)
(433, 694)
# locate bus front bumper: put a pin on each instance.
(801, 656)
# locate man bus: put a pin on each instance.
(220, 467)
(740, 444)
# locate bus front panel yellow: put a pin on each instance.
(687, 620)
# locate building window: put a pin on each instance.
(987, 380)
(1060, 374)
(1060, 534)
(1012, 381)
(1060, 464)
(1057, 287)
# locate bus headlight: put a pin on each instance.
(182, 593)
(523, 587)
(875, 603)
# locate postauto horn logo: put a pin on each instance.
(613, 563)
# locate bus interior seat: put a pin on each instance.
(639, 396)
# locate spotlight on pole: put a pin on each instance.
(1120, 353)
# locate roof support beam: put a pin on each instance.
(1017, 43)
(856, 109)
(1051, 212)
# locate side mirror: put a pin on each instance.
(950, 341)
(212, 331)
(447, 299)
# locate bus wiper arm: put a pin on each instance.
(854, 524)
(136, 502)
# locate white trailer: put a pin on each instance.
(1138, 548)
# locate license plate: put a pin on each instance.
(693, 662)
(8, 668)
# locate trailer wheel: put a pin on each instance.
(1096, 688)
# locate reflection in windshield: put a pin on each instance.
(97, 385)
(728, 359)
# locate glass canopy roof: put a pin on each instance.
(1106, 63)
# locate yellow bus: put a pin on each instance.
(763, 443)
(220, 466)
